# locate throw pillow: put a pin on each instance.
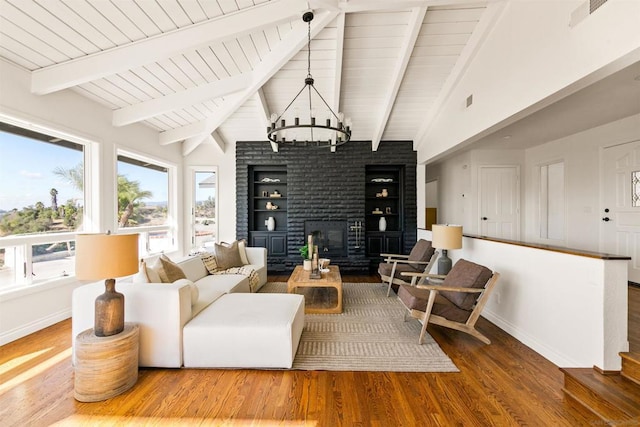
(170, 271)
(242, 248)
(141, 275)
(210, 262)
(228, 257)
(152, 271)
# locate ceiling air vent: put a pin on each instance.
(585, 9)
(595, 4)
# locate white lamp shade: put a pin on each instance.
(446, 236)
(106, 256)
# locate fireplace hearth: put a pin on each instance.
(330, 237)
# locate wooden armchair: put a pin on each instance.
(420, 260)
(455, 303)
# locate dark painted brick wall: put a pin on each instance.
(324, 185)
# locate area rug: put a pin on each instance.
(369, 335)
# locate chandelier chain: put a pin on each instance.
(309, 49)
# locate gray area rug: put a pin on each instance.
(369, 335)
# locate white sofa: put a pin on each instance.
(164, 310)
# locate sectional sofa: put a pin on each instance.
(206, 320)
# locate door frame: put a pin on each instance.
(189, 201)
(517, 196)
(601, 230)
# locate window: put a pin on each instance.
(204, 209)
(145, 202)
(635, 189)
(41, 205)
(552, 201)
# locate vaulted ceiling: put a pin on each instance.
(214, 70)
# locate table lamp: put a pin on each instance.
(107, 256)
(445, 237)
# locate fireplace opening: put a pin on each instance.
(330, 236)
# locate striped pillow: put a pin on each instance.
(210, 262)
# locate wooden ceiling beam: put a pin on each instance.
(487, 21)
(291, 44)
(174, 101)
(265, 115)
(353, 6)
(337, 80)
(413, 30)
(98, 65)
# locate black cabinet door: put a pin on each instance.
(378, 242)
(375, 244)
(259, 241)
(393, 244)
(276, 243)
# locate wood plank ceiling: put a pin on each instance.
(212, 71)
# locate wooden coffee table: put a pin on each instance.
(300, 279)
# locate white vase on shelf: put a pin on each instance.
(270, 223)
(382, 224)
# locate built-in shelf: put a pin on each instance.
(264, 181)
(384, 197)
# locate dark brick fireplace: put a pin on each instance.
(326, 187)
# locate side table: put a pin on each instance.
(105, 366)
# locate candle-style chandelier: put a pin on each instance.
(334, 132)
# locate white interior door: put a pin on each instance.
(499, 192)
(620, 225)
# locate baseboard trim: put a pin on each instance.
(34, 326)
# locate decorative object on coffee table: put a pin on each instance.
(105, 366)
(100, 256)
(301, 279)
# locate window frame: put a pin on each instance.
(172, 204)
(544, 201)
(190, 200)
(91, 203)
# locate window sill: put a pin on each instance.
(18, 291)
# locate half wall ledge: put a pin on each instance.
(568, 305)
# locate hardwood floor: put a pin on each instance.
(501, 384)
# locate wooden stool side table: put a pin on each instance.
(105, 366)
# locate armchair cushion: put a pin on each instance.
(465, 274)
(422, 251)
(416, 299)
(384, 269)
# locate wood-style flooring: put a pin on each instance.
(501, 384)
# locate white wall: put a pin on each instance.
(570, 309)
(28, 310)
(581, 153)
(532, 57)
(458, 182)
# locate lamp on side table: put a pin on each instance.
(106, 256)
(445, 237)
(106, 357)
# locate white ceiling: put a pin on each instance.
(611, 98)
(214, 70)
(194, 68)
